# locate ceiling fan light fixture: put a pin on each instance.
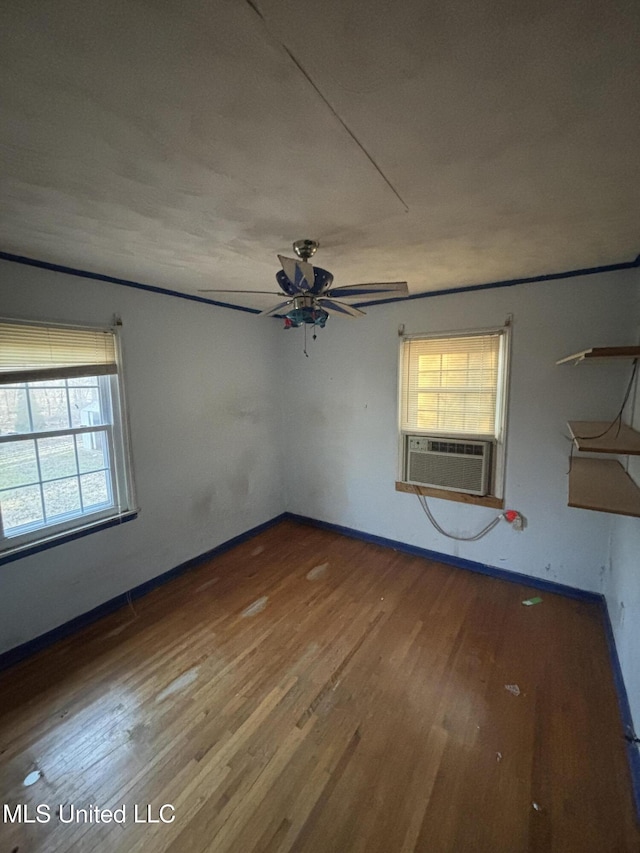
(305, 310)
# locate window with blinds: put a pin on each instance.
(450, 385)
(64, 458)
(36, 353)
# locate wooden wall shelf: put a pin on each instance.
(602, 352)
(625, 442)
(603, 485)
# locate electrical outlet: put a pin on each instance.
(515, 519)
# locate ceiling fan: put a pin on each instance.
(310, 296)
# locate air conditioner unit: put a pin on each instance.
(448, 463)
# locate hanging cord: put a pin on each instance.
(617, 420)
(429, 514)
(618, 417)
(130, 603)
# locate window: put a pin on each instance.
(454, 387)
(63, 446)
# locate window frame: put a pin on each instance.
(119, 464)
(498, 439)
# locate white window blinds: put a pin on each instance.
(31, 353)
(450, 385)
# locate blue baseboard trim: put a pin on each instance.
(19, 653)
(633, 749)
(458, 562)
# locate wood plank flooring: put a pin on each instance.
(310, 692)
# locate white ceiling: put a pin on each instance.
(184, 143)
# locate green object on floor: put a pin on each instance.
(529, 601)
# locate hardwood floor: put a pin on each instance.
(309, 692)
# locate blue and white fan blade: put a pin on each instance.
(341, 308)
(257, 292)
(369, 292)
(276, 310)
(299, 273)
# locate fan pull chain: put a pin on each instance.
(305, 341)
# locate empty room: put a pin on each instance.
(320, 427)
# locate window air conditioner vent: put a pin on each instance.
(448, 463)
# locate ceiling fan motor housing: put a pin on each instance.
(322, 280)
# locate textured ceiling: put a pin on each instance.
(183, 143)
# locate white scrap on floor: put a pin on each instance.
(317, 571)
(178, 683)
(32, 778)
(513, 689)
(256, 607)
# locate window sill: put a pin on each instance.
(447, 495)
(67, 536)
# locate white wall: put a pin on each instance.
(201, 389)
(623, 587)
(341, 435)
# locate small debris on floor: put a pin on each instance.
(537, 807)
(256, 607)
(207, 584)
(317, 571)
(117, 630)
(498, 757)
(530, 601)
(257, 551)
(32, 778)
(513, 689)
